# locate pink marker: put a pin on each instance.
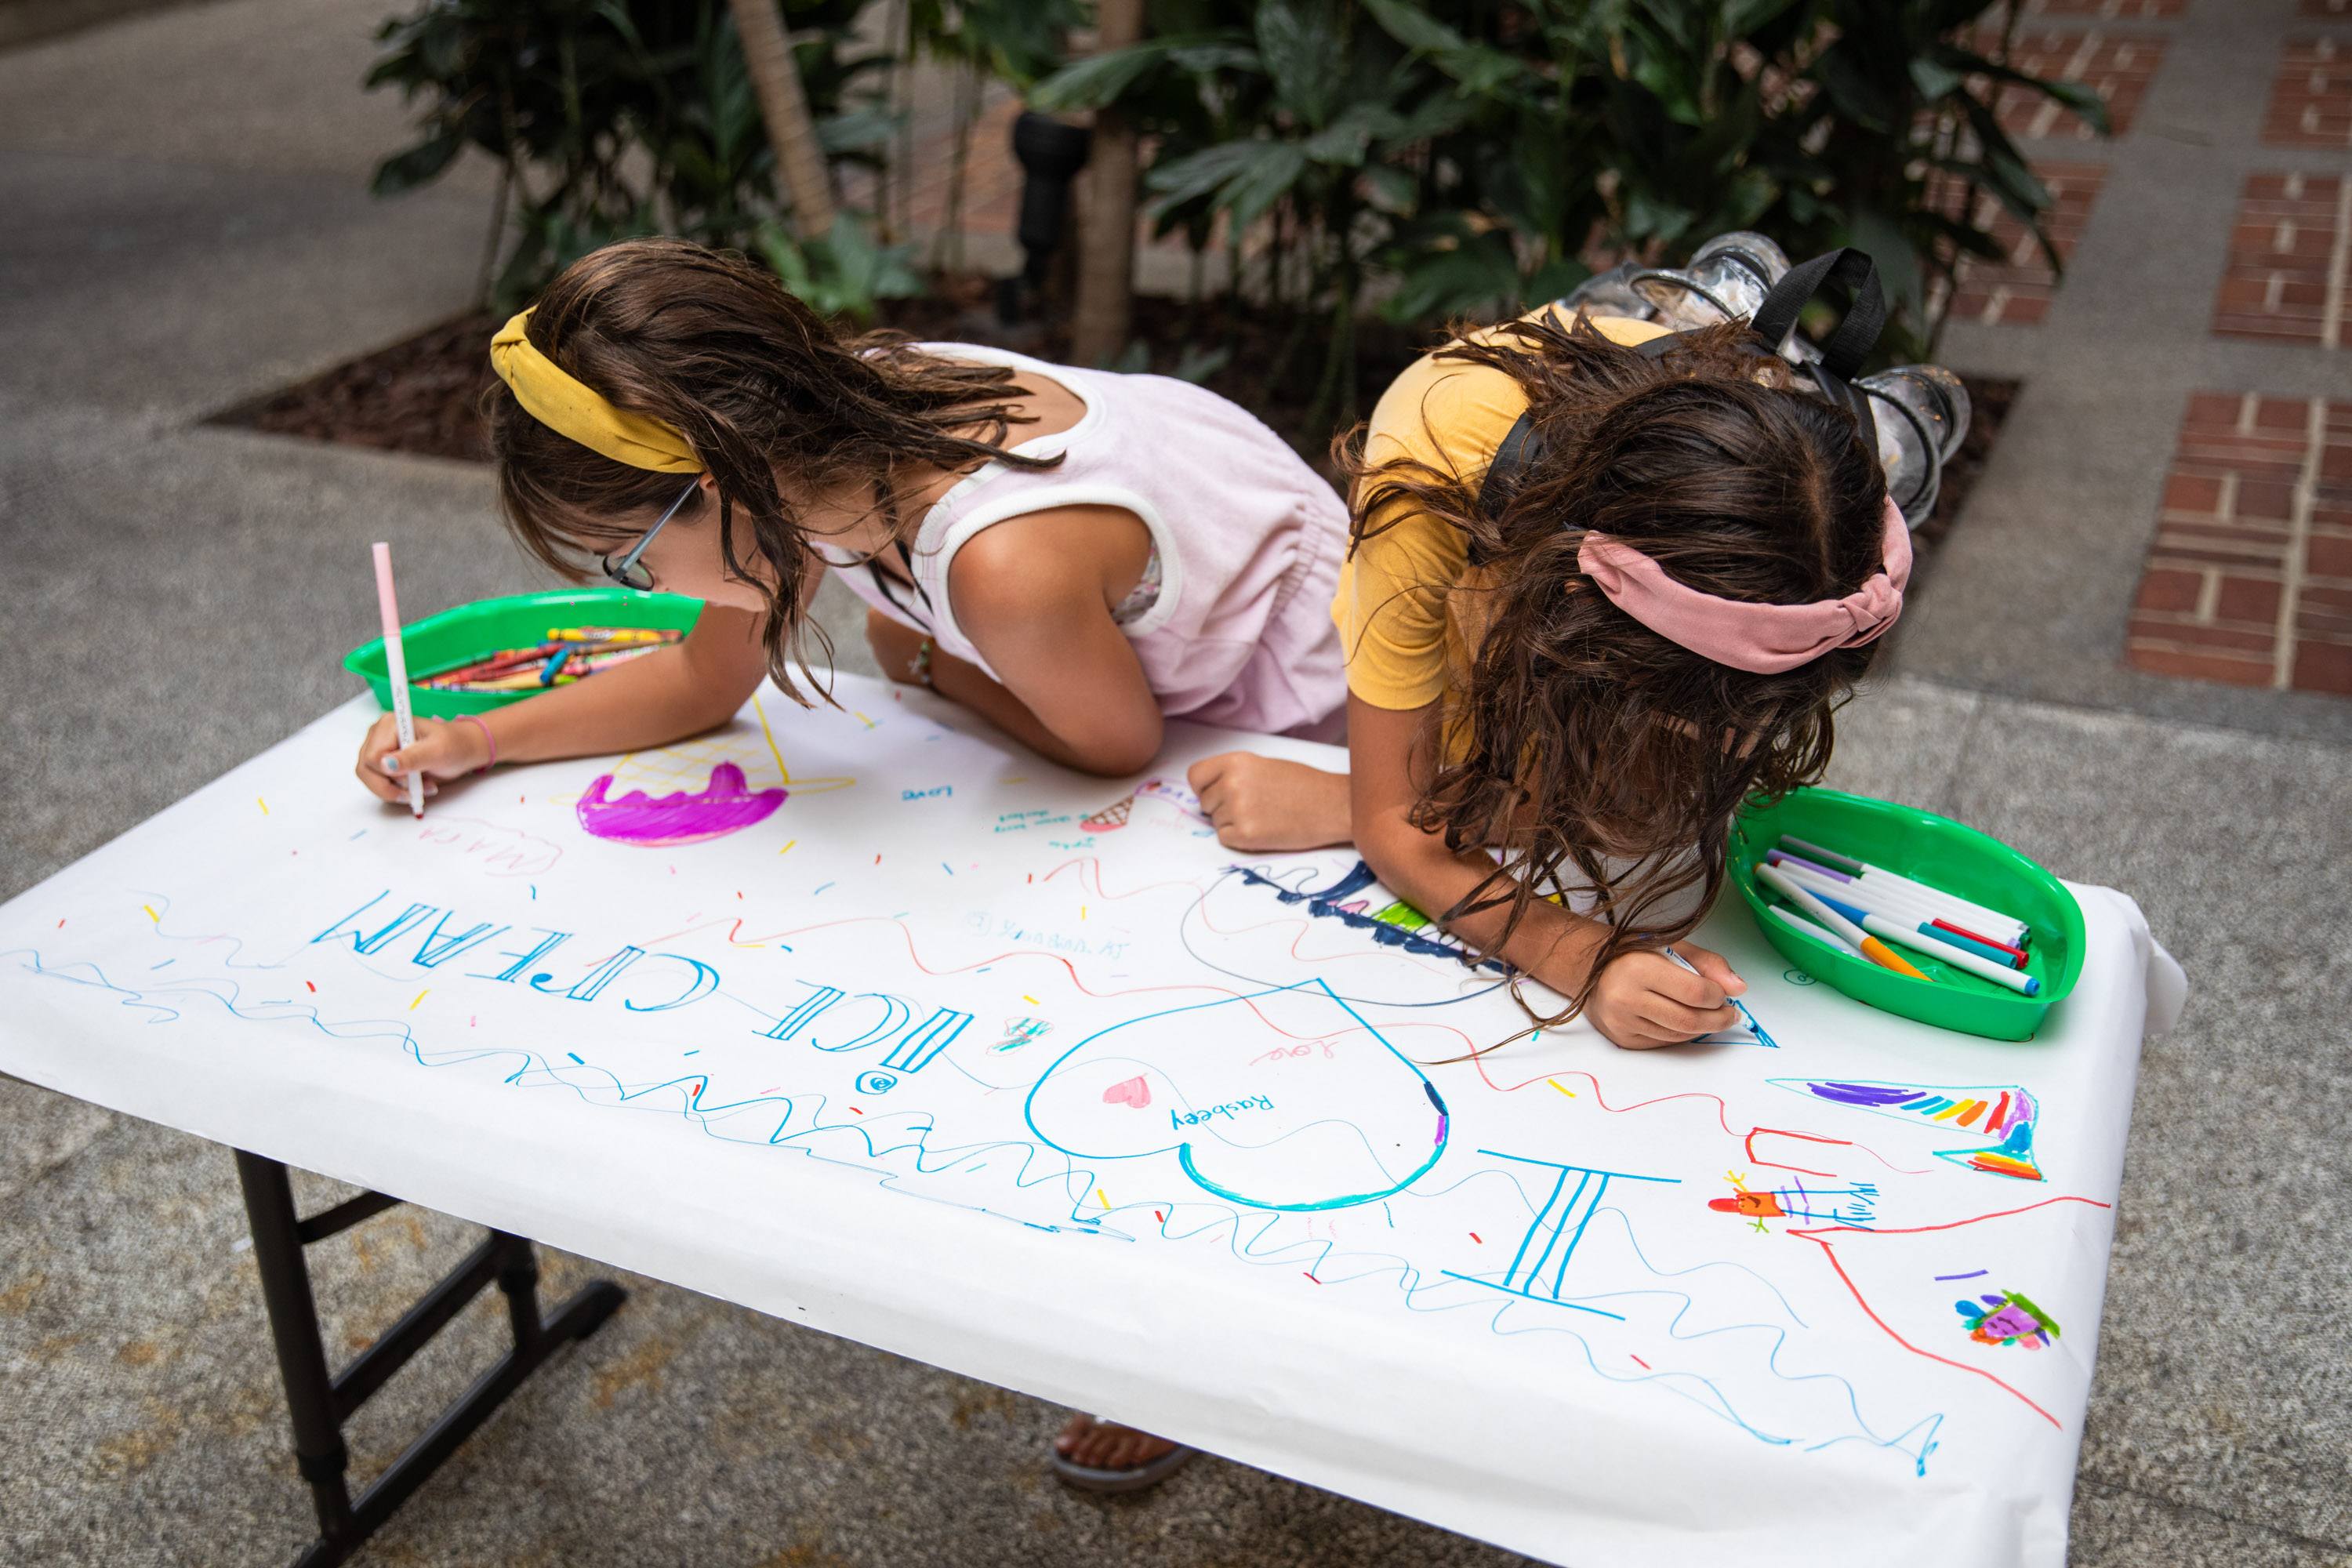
(395, 659)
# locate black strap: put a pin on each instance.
(1521, 447)
(889, 587)
(1864, 319)
(1775, 318)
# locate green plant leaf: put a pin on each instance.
(1099, 79)
(420, 165)
(1304, 58)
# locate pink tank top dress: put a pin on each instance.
(1246, 539)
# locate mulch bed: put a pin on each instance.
(423, 395)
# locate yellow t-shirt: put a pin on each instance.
(1402, 645)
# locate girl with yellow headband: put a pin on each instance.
(1143, 548)
(1072, 553)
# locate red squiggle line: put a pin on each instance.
(1952, 1224)
(1830, 1252)
(1814, 1235)
(1085, 860)
(1613, 1109)
(1815, 1138)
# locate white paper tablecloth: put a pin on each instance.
(943, 1056)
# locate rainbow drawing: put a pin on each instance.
(2004, 1111)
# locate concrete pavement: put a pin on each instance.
(189, 226)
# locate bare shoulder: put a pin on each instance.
(1062, 556)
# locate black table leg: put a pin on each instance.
(320, 1400)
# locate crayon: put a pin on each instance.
(611, 634)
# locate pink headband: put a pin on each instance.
(1766, 638)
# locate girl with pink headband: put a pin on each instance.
(1597, 595)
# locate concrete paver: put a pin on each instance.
(189, 226)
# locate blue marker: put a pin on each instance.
(1723, 1038)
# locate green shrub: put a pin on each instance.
(1478, 157)
(615, 117)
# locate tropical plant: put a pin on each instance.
(1478, 157)
(614, 118)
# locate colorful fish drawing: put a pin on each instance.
(720, 808)
(2007, 1319)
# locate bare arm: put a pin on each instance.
(649, 702)
(1643, 999)
(1033, 605)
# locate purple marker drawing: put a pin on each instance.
(722, 806)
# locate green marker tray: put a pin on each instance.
(481, 628)
(1944, 854)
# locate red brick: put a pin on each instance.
(2327, 557)
(2248, 599)
(2192, 492)
(2190, 634)
(2322, 667)
(2268, 500)
(2212, 411)
(2198, 666)
(2163, 589)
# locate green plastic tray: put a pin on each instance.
(483, 627)
(1944, 854)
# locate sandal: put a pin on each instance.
(1133, 1478)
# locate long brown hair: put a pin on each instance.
(1579, 737)
(714, 346)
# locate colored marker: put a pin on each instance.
(1810, 865)
(2016, 953)
(1886, 898)
(1890, 900)
(2006, 957)
(1960, 958)
(554, 667)
(1714, 1037)
(1817, 933)
(1977, 915)
(396, 657)
(1804, 899)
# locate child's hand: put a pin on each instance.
(894, 646)
(441, 752)
(1262, 803)
(1645, 1000)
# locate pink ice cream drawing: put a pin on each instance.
(720, 808)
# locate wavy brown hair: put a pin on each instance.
(1579, 737)
(757, 382)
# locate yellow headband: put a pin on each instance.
(568, 409)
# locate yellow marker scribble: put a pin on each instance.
(1555, 1083)
(263, 804)
(420, 996)
(1099, 1198)
(151, 914)
(788, 844)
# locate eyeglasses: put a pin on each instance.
(627, 571)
